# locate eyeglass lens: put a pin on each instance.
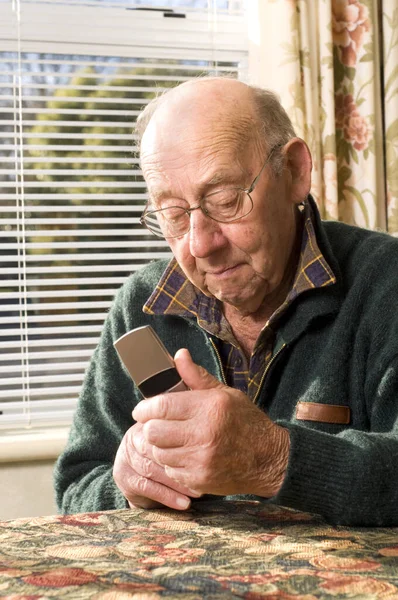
(224, 206)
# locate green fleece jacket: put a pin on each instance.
(335, 345)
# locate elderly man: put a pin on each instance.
(284, 328)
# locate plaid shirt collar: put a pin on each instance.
(176, 295)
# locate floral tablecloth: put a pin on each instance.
(215, 550)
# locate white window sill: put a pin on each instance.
(43, 444)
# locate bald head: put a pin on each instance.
(213, 97)
(218, 103)
(215, 112)
(206, 90)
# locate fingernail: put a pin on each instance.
(183, 503)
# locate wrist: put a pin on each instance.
(275, 462)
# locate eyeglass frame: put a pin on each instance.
(188, 211)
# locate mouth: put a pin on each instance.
(224, 271)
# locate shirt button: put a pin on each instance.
(238, 361)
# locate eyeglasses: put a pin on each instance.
(224, 206)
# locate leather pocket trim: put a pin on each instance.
(323, 413)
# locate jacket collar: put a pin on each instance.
(317, 303)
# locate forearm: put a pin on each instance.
(350, 478)
(94, 491)
(83, 473)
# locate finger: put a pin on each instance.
(176, 406)
(187, 478)
(172, 457)
(151, 470)
(141, 444)
(144, 503)
(169, 434)
(194, 376)
(137, 489)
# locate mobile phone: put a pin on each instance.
(148, 362)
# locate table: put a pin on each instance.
(218, 549)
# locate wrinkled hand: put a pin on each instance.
(142, 481)
(212, 439)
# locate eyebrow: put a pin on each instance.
(218, 178)
(158, 195)
(225, 176)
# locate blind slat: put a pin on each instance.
(67, 160)
(54, 365)
(43, 356)
(57, 306)
(20, 272)
(40, 379)
(76, 172)
(70, 148)
(88, 257)
(117, 63)
(107, 124)
(50, 330)
(71, 221)
(79, 207)
(54, 294)
(42, 392)
(53, 319)
(28, 419)
(32, 344)
(67, 281)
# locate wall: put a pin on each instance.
(26, 489)
(26, 472)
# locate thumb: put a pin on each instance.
(194, 376)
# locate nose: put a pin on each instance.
(205, 235)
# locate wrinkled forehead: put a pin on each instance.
(192, 128)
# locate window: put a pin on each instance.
(73, 78)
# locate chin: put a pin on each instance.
(244, 297)
(244, 305)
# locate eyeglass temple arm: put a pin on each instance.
(253, 185)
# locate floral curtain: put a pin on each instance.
(334, 64)
(390, 53)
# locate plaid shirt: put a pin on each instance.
(176, 295)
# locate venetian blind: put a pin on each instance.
(73, 77)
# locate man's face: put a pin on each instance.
(241, 263)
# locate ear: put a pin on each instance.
(299, 164)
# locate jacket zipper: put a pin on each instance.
(267, 368)
(219, 361)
